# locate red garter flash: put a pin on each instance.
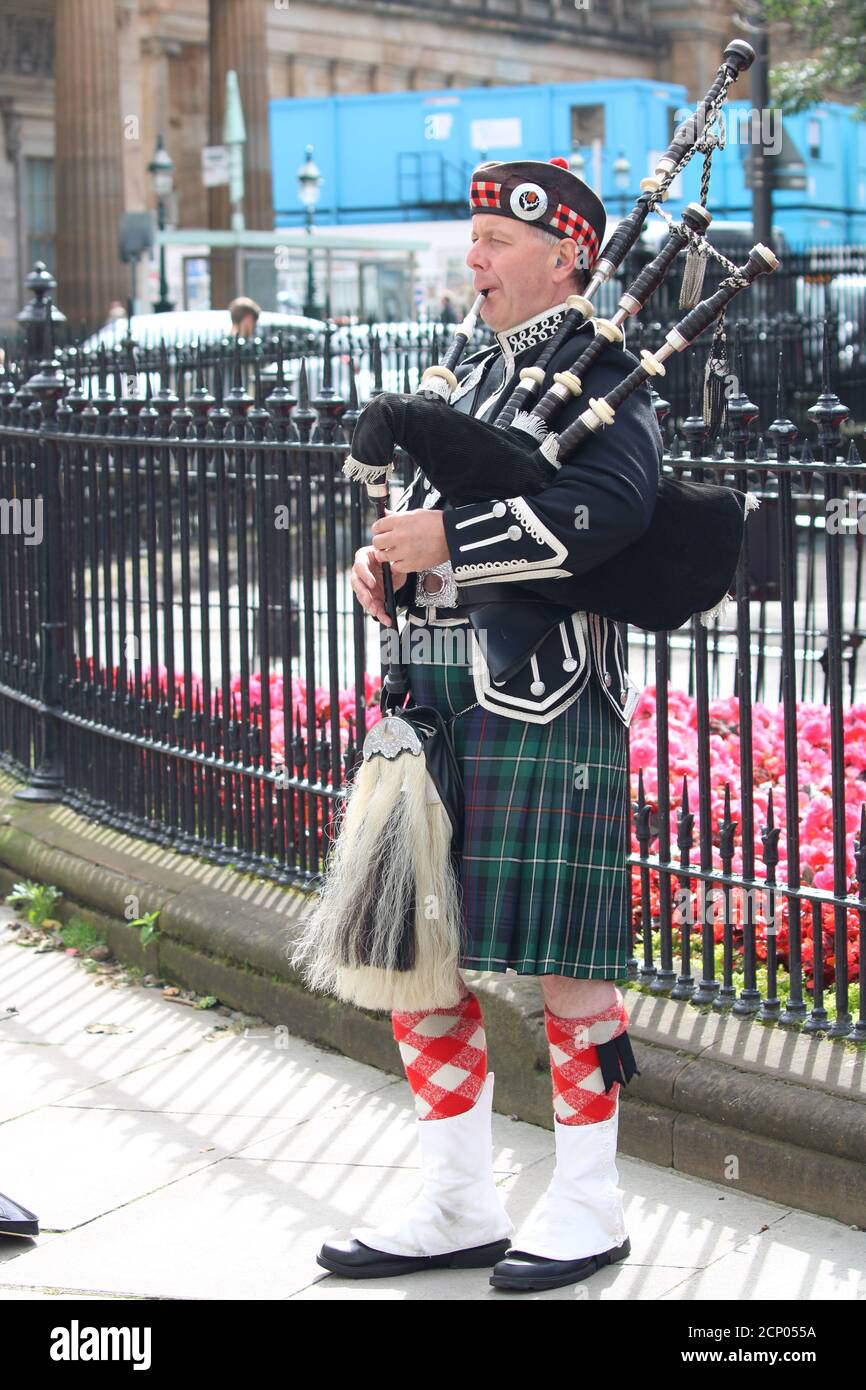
(586, 1053)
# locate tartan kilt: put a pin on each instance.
(546, 886)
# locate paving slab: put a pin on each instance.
(194, 1158)
(234, 1075)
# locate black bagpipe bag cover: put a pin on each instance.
(684, 563)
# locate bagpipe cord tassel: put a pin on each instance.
(385, 928)
(715, 380)
(693, 277)
(696, 256)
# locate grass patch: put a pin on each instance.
(80, 934)
(783, 979)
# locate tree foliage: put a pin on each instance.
(834, 31)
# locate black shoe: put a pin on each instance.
(522, 1271)
(354, 1260)
(16, 1220)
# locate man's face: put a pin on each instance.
(517, 268)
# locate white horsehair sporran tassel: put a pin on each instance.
(385, 928)
(391, 857)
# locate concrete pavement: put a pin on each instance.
(171, 1152)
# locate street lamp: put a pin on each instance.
(161, 171)
(621, 179)
(576, 162)
(309, 187)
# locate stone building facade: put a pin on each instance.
(86, 86)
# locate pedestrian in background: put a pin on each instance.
(245, 315)
(447, 312)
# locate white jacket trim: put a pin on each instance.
(533, 711)
(550, 565)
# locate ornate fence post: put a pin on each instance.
(829, 413)
(36, 316)
(741, 414)
(784, 432)
(48, 386)
(696, 432)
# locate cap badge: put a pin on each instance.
(528, 202)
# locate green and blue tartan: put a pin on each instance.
(545, 878)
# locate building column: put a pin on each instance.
(238, 40)
(688, 46)
(88, 160)
(14, 209)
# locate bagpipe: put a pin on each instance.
(684, 563)
(385, 931)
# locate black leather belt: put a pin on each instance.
(512, 629)
(471, 595)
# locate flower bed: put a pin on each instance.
(768, 769)
(768, 764)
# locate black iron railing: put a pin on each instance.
(181, 657)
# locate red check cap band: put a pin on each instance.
(576, 227)
(485, 193)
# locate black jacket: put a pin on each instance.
(600, 501)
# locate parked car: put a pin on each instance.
(840, 296)
(395, 340)
(188, 326)
(183, 329)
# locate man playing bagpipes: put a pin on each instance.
(517, 551)
(545, 881)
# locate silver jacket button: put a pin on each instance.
(514, 533)
(499, 509)
(537, 688)
(569, 664)
(426, 482)
(622, 695)
(607, 677)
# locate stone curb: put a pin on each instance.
(780, 1114)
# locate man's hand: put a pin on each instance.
(411, 541)
(366, 581)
